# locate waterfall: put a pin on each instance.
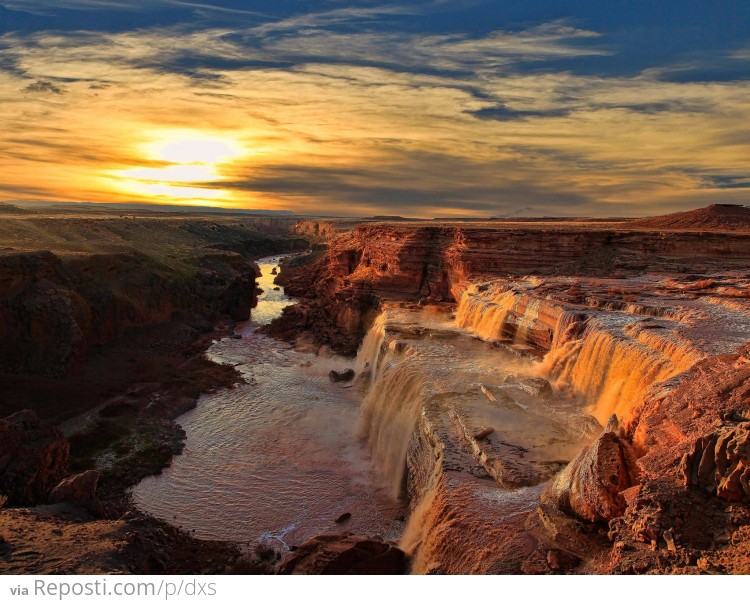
(610, 357)
(485, 317)
(369, 355)
(390, 410)
(615, 368)
(513, 315)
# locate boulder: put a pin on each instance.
(589, 487)
(344, 376)
(80, 490)
(345, 554)
(33, 459)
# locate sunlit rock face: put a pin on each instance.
(720, 463)
(591, 486)
(376, 262)
(460, 327)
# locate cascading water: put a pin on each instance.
(610, 358)
(615, 367)
(466, 428)
(486, 318)
(369, 353)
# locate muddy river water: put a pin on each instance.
(276, 458)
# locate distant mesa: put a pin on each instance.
(712, 217)
(9, 209)
(390, 218)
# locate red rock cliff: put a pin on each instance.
(342, 288)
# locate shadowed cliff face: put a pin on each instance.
(100, 277)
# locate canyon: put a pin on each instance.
(494, 354)
(533, 397)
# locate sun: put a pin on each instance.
(184, 157)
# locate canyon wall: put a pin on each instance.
(645, 331)
(94, 279)
(342, 287)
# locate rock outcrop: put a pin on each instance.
(98, 278)
(33, 459)
(720, 463)
(713, 217)
(343, 288)
(79, 489)
(345, 554)
(591, 486)
(345, 376)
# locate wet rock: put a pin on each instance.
(344, 376)
(344, 517)
(668, 537)
(589, 487)
(79, 489)
(720, 463)
(345, 554)
(274, 271)
(536, 387)
(33, 458)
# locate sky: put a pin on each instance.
(428, 108)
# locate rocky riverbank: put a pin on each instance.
(107, 344)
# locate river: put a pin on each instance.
(277, 458)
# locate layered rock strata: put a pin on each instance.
(342, 288)
(631, 324)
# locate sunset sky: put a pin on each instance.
(423, 108)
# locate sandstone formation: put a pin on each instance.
(651, 326)
(490, 357)
(344, 554)
(33, 459)
(70, 284)
(79, 489)
(591, 486)
(342, 289)
(720, 463)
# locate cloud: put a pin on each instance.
(49, 7)
(44, 87)
(336, 115)
(726, 181)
